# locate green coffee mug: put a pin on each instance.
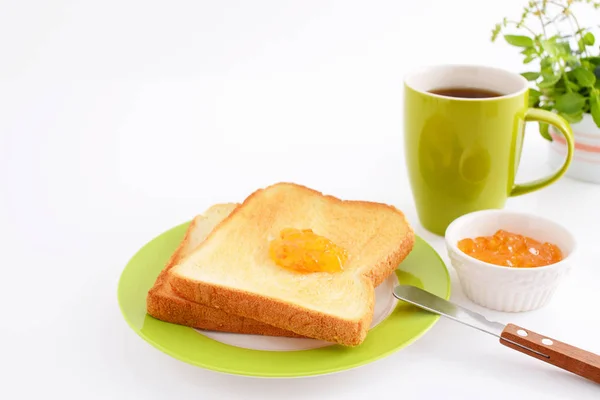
(462, 151)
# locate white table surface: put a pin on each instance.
(120, 119)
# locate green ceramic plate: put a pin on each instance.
(401, 326)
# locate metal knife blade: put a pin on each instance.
(562, 355)
(435, 304)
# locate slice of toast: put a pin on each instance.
(231, 269)
(164, 304)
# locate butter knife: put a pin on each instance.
(562, 355)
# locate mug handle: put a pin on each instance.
(536, 114)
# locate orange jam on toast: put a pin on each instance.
(511, 250)
(302, 250)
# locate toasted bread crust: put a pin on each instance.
(291, 317)
(164, 304)
(167, 306)
(286, 316)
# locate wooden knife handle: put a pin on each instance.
(562, 355)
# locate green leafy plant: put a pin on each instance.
(566, 78)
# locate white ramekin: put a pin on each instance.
(503, 288)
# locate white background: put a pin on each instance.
(120, 119)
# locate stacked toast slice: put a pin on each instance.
(223, 277)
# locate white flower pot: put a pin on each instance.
(585, 165)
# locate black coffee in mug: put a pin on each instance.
(466, 92)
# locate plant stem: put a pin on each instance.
(539, 14)
(580, 32)
(556, 18)
(516, 23)
(556, 4)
